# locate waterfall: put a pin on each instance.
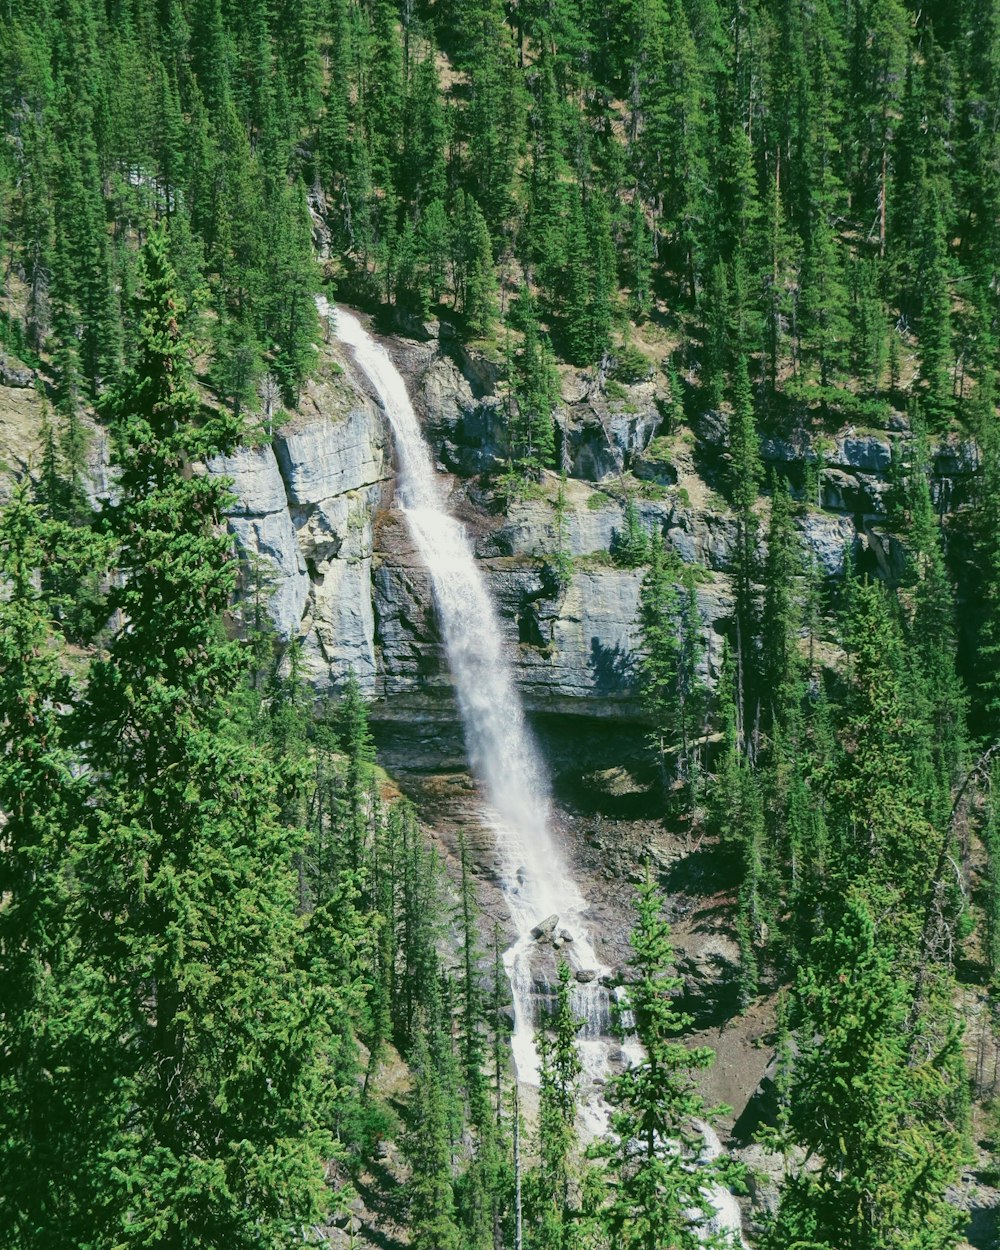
(535, 879)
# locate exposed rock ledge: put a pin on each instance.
(314, 512)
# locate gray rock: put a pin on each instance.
(531, 525)
(341, 626)
(828, 538)
(327, 458)
(602, 442)
(469, 434)
(854, 492)
(590, 637)
(586, 975)
(872, 453)
(15, 376)
(544, 930)
(271, 540)
(710, 960)
(794, 449)
(257, 483)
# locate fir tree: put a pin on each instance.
(198, 979)
(857, 1105)
(659, 1179)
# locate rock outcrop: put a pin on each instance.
(313, 512)
(304, 517)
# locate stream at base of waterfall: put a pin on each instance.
(535, 879)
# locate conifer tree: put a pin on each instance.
(535, 393)
(217, 1033)
(48, 1055)
(432, 1223)
(659, 1179)
(857, 1104)
(552, 1214)
(745, 474)
(781, 665)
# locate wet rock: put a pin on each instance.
(565, 935)
(586, 975)
(544, 930)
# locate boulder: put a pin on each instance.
(545, 929)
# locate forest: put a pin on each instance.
(251, 995)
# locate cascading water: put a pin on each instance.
(535, 879)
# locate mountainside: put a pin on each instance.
(335, 866)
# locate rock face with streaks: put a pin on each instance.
(303, 517)
(313, 514)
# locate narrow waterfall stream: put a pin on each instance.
(535, 879)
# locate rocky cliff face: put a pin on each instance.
(314, 513)
(329, 554)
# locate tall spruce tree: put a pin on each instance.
(860, 1106)
(218, 1034)
(658, 1178)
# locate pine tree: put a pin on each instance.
(659, 1180)
(931, 637)
(882, 821)
(534, 392)
(560, 1068)
(49, 1057)
(473, 253)
(745, 474)
(432, 1224)
(858, 1105)
(660, 662)
(781, 663)
(217, 1031)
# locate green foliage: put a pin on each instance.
(863, 1107)
(657, 1176)
(533, 396)
(552, 1214)
(671, 689)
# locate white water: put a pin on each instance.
(535, 879)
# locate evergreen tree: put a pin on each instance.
(432, 1224)
(216, 1060)
(659, 1180)
(745, 474)
(859, 1106)
(48, 1056)
(535, 393)
(560, 1067)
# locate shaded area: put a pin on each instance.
(612, 668)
